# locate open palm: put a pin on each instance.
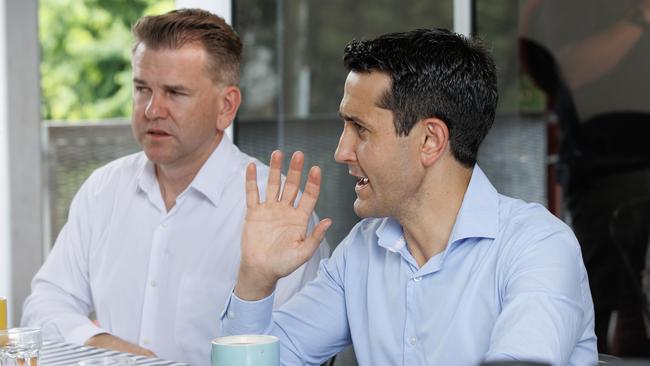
(274, 239)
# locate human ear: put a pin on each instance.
(435, 140)
(230, 100)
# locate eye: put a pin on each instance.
(141, 89)
(360, 129)
(176, 92)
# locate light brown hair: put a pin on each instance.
(181, 27)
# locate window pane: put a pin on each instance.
(514, 153)
(307, 38)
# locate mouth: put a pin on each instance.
(157, 133)
(362, 181)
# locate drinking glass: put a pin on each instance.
(20, 346)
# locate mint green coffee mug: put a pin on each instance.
(246, 350)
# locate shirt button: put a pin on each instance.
(413, 340)
(153, 283)
(231, 315)
(163, 225)
(145, 341)
(417, 279)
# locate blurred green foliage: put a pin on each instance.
(85, 56)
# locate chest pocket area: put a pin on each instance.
(200, 302)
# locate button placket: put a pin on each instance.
(151, 295)
(410, 356)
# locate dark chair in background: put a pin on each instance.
(629, 229)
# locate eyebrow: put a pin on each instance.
(179, 88)
(348, 117)
(167, 87)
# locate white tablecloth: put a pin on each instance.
(64, 354)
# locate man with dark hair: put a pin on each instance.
(151, 245)
(442, 270)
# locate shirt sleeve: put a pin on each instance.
(545, 302)
(312, 326)
(60, 302)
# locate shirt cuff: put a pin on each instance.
(246, 317)
(82, 333)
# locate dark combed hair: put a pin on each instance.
(181, 27)
(434, 73)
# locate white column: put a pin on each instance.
(463, 17)
(5, 225)
(21, 184)
(223, 8)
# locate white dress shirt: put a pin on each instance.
(154, 278)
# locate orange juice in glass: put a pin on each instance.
(3, 313)
(3, 320)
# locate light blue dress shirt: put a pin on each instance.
(510, 285)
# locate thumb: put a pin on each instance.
(313, 241)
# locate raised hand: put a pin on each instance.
(274, 239)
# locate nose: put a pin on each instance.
(345, 151)
(155, 107)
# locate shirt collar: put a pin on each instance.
(478, 216)
(146, 177)
(210, 180)
(217, 171)
(390, 235)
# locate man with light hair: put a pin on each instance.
(151, 245)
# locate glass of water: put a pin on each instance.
(20, 346)
(109, 361)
